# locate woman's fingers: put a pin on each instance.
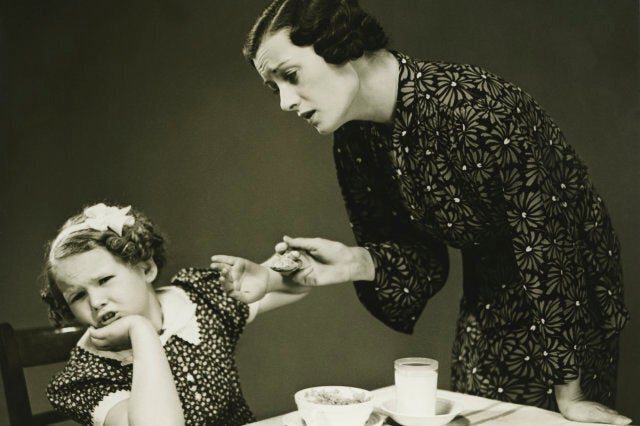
(589, 411)
(281, 247)
(306, 277)
(306, 244)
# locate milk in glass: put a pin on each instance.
(416, 382)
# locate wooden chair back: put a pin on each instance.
(20, 349)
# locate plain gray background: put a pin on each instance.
(150, 103)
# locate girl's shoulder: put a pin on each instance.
(194, 275)
(201, 285)
(198, 281)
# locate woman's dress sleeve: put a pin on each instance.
(409, 268)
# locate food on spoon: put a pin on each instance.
(289, 261)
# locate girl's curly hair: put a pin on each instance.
(338, 30)
(138, 243)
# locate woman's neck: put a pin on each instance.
(379, 73)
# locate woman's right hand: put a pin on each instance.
(328, 262)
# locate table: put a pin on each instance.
(477, 411)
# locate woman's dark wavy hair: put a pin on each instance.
(338, 30)
(138, 243)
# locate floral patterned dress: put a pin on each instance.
(474, 163)
(201, 325)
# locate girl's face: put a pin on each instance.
(101, 288)
(322, 94)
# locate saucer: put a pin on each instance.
(294, 419)
(446, 410)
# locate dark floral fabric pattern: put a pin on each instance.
(473, 162)
(205, 374)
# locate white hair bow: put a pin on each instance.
(102, 217)
(99, 217)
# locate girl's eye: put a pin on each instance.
(104, 279)
(76, 297)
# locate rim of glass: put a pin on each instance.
(416, 363)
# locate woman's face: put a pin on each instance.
(100, 288)
(321, 93)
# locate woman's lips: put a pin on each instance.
(307, 116)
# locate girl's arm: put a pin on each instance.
(281, 291)
(257, 285)
(154, 399)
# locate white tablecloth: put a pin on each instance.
(477, 411)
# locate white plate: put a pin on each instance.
(446, 410)
(294, 419)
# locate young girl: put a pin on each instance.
(150, 355)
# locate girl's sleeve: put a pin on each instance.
(87, 389)
(229, 314)
(409, 267)
(562, 241)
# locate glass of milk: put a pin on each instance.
(416, 384)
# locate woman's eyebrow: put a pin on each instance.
(273, 70)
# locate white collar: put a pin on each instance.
(179, 319)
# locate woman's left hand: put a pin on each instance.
(573, 406)
(593, 412)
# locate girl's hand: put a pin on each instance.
(328, 262)
(244, 280)
(116, 336)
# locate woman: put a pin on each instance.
(435, 154)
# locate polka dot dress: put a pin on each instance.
(474, 163)
(205, 373)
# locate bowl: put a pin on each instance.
(446, 410)
(334, 405)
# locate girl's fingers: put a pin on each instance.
(97, 333)
(224, 279)
(228, 275)
(221, 258)
(223, 268)
(236, 294)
